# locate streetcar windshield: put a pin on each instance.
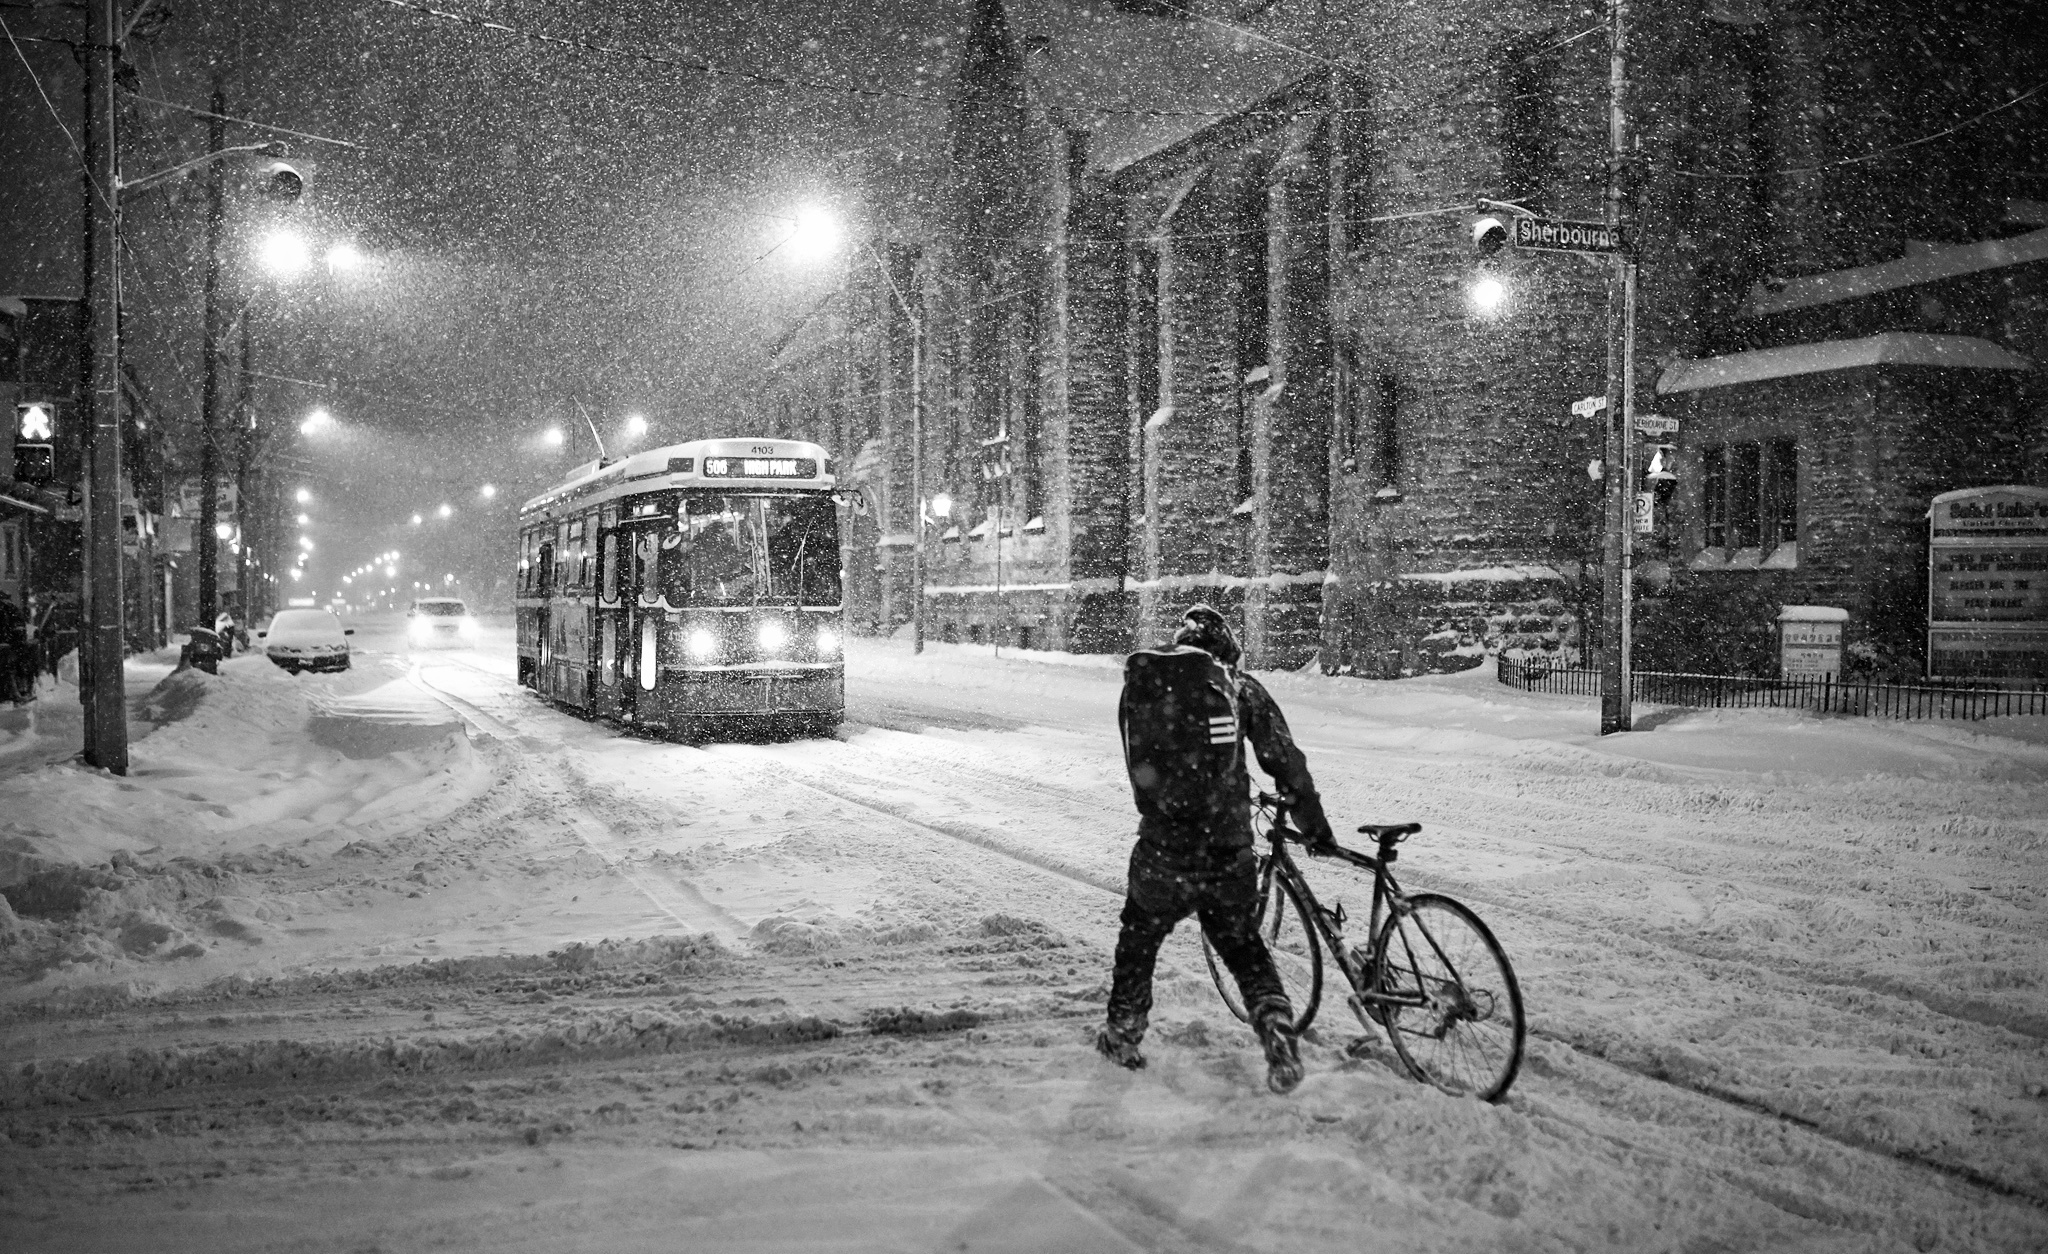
(746, 550)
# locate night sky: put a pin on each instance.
(539, 221)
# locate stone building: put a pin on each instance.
(1197, 321)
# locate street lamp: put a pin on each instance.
(552, 437)
(446, 510)
(284, 253)
(488, 491)
(344, 258)
(636, 426)
(304, 496)
(417, 520)
(316, 422)
(1489, 295)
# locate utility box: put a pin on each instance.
(1810, 641)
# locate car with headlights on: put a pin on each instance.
(306, 640)
(440, 622)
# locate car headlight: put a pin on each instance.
(772, 636)
(421, 629)
(703, 645)
(467, 627)
(828, 642)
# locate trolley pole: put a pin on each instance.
(102, 646)
(1618, 556)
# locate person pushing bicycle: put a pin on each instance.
(1184, 716)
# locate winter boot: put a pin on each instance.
(1118, 1042)
(1283, 1055)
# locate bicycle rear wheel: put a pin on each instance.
(1461, 1026)
(1297, 956)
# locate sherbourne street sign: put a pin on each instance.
(1560, 235)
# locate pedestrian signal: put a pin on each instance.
(34, 422)
(35, 425)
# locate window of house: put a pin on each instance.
(1781, 481)
(1384, 396)
(1144, 327)
(1530, 130)
(1750, 495)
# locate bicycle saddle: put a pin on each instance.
(1385, 830)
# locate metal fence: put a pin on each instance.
(1834, 696)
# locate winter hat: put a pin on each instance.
(1203, 628)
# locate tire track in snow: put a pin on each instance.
(677, 899)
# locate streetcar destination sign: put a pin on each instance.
(1562, 235)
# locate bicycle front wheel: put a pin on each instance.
(1297, 956)
(1451, 1004)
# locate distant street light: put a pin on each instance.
(446, 510)
(552, 437)
(303, 496)
(487, 491)
(417, 520)
(223, 530)
(344, 259)
(636, 426)
(316, 422)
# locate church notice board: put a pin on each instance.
(1987, 584)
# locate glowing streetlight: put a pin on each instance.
(305, 520)
(487, 491)
(306, 543)
(814, 235)
(1489, 295)
(297, 574)
(224, 530)
(303, 496)
(417, 520)
(446, 510)
(284, 254)
(315, 422)
(552, 437)
(344, 259)
(636, 426)
(942, 506)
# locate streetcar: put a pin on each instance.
(691, 591)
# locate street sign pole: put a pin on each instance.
(1618, 551)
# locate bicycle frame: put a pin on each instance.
(1387, 900)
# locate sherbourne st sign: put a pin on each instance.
(1565, 236)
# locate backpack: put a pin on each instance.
(1182, 746)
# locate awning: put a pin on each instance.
(1892, 348)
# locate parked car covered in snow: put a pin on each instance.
(308, 640)
(433, 622)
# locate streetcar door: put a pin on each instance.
(649, 612)
(543, 625)
(609, 612)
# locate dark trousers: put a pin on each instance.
(1223, 893)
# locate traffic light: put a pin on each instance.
(1489, 236)
(35, 430)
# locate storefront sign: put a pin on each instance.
(1987, 583)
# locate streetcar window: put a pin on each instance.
(729, 550)
(608, 566)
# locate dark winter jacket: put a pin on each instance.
(1225, 799)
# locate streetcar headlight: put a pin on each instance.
(703, 645)
(828, 642)
(772, 636)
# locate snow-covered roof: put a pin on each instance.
(1910, 271)
(1892, 348)
(1141, 83)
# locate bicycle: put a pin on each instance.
(1431, 975)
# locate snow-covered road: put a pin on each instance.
(1784, 976)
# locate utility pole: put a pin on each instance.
(205, 544)
(101, 647)
(245, 449)
(916, 472)
(1618, 555)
